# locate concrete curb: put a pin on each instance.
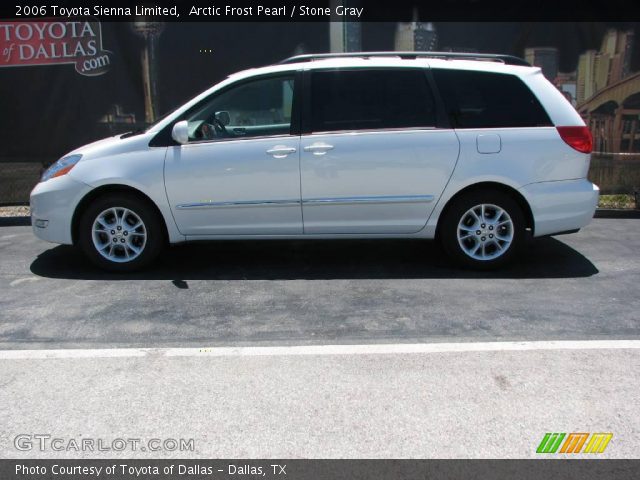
(616, 213)
(15, 221)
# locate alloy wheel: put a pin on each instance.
(485, 232)
(119, 234)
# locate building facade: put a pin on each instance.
(416, 36)
(608, 94)
(544, 57)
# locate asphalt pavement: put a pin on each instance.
(278, 404)
(376, 349)
(581, 286)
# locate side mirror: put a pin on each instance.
(180, 132)
(223, 117)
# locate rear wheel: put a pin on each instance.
(483, 229)
(121, 232)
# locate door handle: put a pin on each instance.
(280, 151)
(318, 148)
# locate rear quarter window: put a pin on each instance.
(488, 100)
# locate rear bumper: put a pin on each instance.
(561, 206)
(52, 205)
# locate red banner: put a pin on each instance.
(48, 42)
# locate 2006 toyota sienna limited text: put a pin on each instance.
(478, 151)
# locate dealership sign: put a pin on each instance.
(54, 42)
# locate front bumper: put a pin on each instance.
(561, 206)
(52, 205)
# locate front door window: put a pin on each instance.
(257, 108)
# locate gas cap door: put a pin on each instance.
(489, 143)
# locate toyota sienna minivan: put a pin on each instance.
(477, 151)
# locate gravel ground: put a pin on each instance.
(22, 211)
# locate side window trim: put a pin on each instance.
(306, 110)
(236, 139)
(442, 119)
(163, 137)
(373, 130)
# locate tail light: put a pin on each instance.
(578, 138)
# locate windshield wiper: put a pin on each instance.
(133, 133)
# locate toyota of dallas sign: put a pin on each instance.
(54, 42)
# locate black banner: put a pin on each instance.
(327, 10)
(319, 469)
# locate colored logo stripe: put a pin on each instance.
(550, 443)
(574, 442)
(598, 442)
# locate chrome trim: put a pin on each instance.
(242, 203)
(378, 200)
(313, 201)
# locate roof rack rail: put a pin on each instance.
(506, 59)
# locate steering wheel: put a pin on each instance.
(215, 129)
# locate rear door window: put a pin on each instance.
(488, 100)
(348, 100)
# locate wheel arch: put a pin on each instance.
(106, 189)
(491, 186)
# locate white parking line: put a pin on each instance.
(375, 349)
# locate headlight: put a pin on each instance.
(61, 167)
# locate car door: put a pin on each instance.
(374, 157)
(239, 174)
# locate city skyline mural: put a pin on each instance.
(153, 68)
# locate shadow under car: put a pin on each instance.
(316, 260)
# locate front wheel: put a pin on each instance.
(483, 230)
(120, 232)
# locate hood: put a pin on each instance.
(113, 146)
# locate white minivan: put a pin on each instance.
(479, 151)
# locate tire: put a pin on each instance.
(121, 232)
(470, 244)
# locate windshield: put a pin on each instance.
(159, 119)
